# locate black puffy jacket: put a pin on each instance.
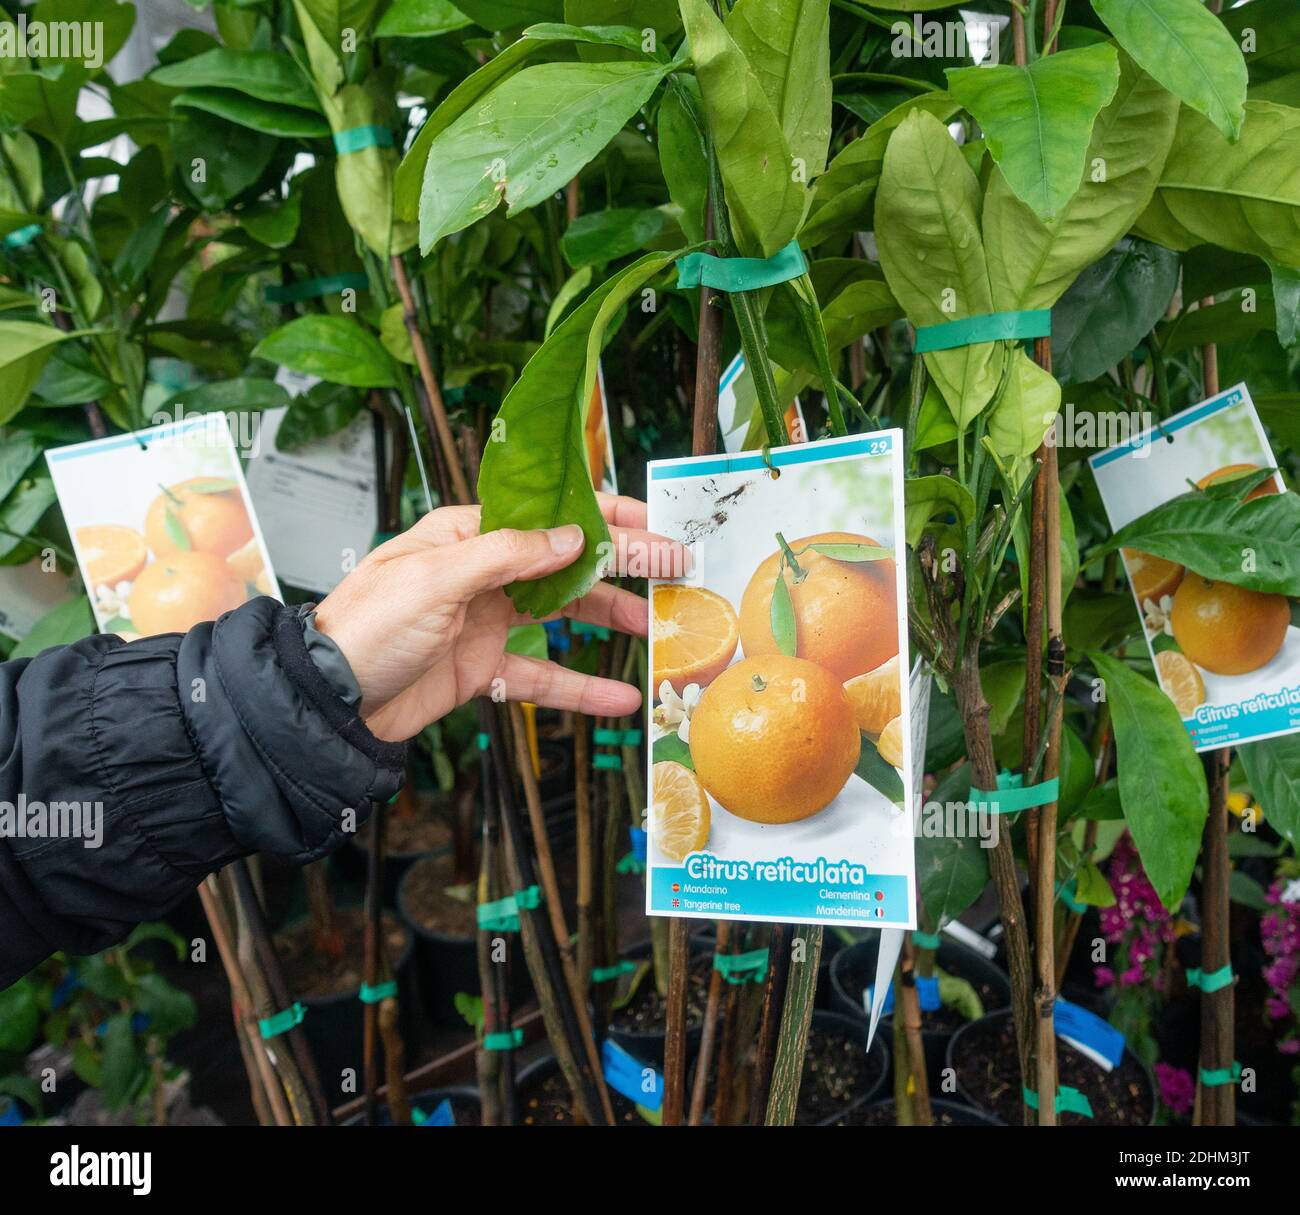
(199, 749)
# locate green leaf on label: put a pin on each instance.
(784, 630)
(671, 747)
(211, 485)
(1161, 781)
(853, 552)
(879, 773)
(176, 530)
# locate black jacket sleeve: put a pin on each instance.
(188, 752)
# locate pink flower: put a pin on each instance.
(1177, 1089)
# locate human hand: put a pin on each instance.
(423, 619)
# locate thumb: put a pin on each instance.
(497, 558)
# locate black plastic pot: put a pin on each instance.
(463, 1097)
(335, 1028)
(946, 1113)
(954, 958)
(954, 1046)
(445, 965)
(557, 768)
(649, 1047)
(542, 1069)
(856, 1029)
(352, 861)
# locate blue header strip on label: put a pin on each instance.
(1225, 400)
(803, 453)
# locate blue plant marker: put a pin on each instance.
(638, 838)
(1096, 1038)
(926, 988)
(626, 1074)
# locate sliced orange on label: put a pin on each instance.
(680, 817)
(1181, 681)
(695, 634)
(876, 697)
(890, 742)
(111, 553)
(1152, 577)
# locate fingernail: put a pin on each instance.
(565, 539)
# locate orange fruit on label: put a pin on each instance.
(111, 554)
(198, 516)
(774, 739)
(680, 815)
(1152, 577)
(695, 633)
(845, 612)
(247, 562)
(175, 593)
(1225, 628)
(890, 742)
(1181, 681)
(876, 697)
(1230, 472)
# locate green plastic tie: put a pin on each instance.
(741, 273)
(315, 288)
(483, 740)
(529, 899)
(1221, 1075)
(281, 1022)
(616, 738)
(603, 974)
(382, 538)
(506, 1039)
(927, 940)
(21, 237)
(357, 139)
(742, 967)
(990, 327)
(1068, 1101)
(580, 628)
(381, 991)
(631, 863)
(607, 760)
(1211, 982)
(500, 916)
(1012, 795)
(1066, 892)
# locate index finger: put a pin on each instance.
(621, 511)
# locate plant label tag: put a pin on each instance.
(969, 937)
(781, 758)
(162, 525)
(927, 990)
(627, 1075)
(317, 502)
(1088, 1033)
(1228, 656)
(740, 421)
(598, 433)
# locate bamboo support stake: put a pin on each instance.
(708, 1031)
(435, 412)
(907, 1008)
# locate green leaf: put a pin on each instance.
(17, 454)
(219, 160)
(527, 639)
(43, 102)
(1161, 781)
(1210, 534)
(526, 139)
(506, 14)
(71, 377)
(24, 349)
(22, 510)
(1286, 303)
(1110, 309)
(123, 1063)
(534, 472)
(928, 234)
(240, 393)
(1244, 889)
(115, 22)
(605, 236)
(1096, 620)
(853, 552)
(1280, 412)
(409, 176)
(881, 775)
(927, 497)
(1004, 689)
(265, 75)
(333, 347)
(1091, 887)
(1186, 48)
(766, 204)
(843, 197)
(952, 870)
(1243, 196)
(1102, 803)
(1032, 262)
(682, 158)
(155, 930)
(1038, 120)
(787, 46)
(960, 995)
(273, 224)
(333, 17)
(573, 287)
(784, 629)
(20, 1017)
(671, 747)
(169, 1010)
(265, 116)
(623, 37)
(1273, 769)
(324, 409)
(1030, 400)
(62, 625)
(420, 19)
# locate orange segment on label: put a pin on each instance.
(890, 742)
(680, 818)
(876, 697)
(1181, 681)
(695, 633)
(111, 554)
(1152, 577)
